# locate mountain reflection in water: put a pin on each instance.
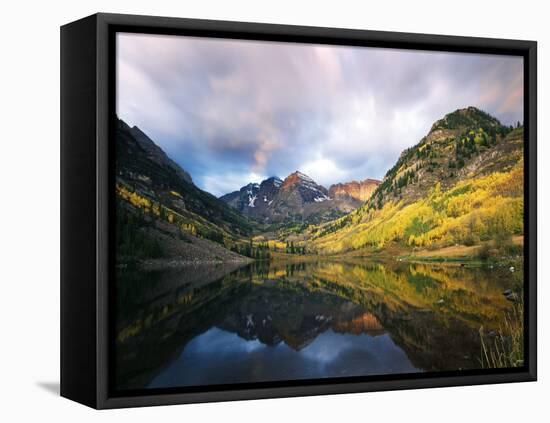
(265, 321)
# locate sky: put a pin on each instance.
(232, 112)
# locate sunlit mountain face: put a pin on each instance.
(299, 198)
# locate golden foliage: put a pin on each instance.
(479, 208)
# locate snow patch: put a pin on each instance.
(321, 199)
(304, 177)
(252, 200)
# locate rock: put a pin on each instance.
(440, 301)
(507, 292)
(361, 190)
(512, 269)
(513, 297)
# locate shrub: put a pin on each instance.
(484, 252)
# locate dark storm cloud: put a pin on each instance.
(231, 112)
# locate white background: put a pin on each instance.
(29, 178)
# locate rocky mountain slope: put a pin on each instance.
(254, 199)
(153, 152)
(298, 198)
(360, 191)
(460, 144)
(159, 207)
(461, 184)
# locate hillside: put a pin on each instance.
(461, 184)
(161, 213)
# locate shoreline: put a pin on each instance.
(160, 264)
(452, 256)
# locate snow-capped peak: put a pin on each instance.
(304, 181)
(303, 176)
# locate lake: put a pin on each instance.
(220, 324)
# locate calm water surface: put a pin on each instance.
(265, 322)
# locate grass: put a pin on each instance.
(505, 349)
(485, 253)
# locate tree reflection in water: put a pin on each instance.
(267, 321)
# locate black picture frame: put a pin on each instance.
(87, 125)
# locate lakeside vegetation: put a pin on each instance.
(504, 347)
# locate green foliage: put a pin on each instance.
(258, 251)
(470, 117)
(185, 221)
(132, 239)
(505, 349)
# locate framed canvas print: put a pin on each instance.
(254, 211)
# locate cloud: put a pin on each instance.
(231, 181)
(226, 109)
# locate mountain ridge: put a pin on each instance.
(154, 152)
(160, 210)
(360, 190)
(298, 197)
(460, 184)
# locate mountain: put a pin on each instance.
(300, 197)
(254, 199)
(360, 191)
(297, 317)
(460, 184)
(297, 198)
(304, 188)
(460, 143)
(159, 207)
(154, 152)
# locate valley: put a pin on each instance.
(459, 189)
(418, 269)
